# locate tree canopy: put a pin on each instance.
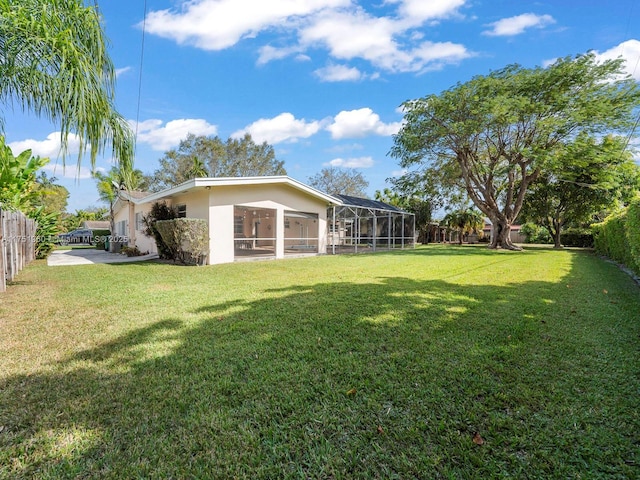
(51, 196)
(335, 181)
(18, 186)
(201, 156)
(494, 135)
(583, 179)
(54, 63)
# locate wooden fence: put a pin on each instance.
(17, 245)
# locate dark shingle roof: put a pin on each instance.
(366, 203)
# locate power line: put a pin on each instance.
(144, 28)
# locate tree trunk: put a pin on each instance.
(556, 235)
(112, 227)
(501, 235)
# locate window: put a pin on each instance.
(139, 222)
(182, 211)
(121, 228)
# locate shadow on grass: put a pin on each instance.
(384, 379)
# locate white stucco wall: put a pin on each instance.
(216, 205)
(278, 197)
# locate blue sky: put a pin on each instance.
(321, 80)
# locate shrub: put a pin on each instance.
(159, 211)
(633, 232)
(46, 231)
(188, 238)
(577, 237)
(618, 236)
(131, 251)
(535, 234)
(100, 238)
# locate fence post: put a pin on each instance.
(17, 244)
(3, 252)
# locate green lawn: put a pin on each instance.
(367, 366)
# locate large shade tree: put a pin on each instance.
(339, 181)
(495, 134)
(54, 63)
(199, 156)
(587, 177)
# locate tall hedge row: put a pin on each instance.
(618, 237)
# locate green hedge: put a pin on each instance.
(100, 238)
(576, 238)
(187, 239)
(618, 237)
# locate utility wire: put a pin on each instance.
(144, 25)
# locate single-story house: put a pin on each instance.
(266, 217)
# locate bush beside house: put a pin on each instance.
(186, 238)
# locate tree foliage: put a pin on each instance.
(198, 156)
(160, 211)
(18, 178)
(464, 221)
(54, 63)
(338, 181)
(494, 135)
(584, 178)
(109, 185)
(421, 207)
(51, 196)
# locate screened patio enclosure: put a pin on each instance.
(254, 231)
(362, 225)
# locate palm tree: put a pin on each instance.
(54, 63)
(464, 221)
(109, 185)
(198, 169)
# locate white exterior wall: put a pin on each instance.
(216, 205)
(277, 197)
(144, 243)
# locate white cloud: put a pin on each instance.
(284, 127)
(360, 123)
(71, 171)
(356, 34)
(50, 147)
(516, 25)
(360, 162)
(219, 24)
(269, 53)
(120, 71)
(341, 27)
(630, 51)
(339, 73)
(162, 138)
(420, 10)
(399, 173)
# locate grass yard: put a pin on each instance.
(441, 362)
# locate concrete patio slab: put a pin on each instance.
(91, 256)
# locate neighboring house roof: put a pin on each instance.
(227, 181)
(514, 227)
(366, 203)
(138, 194)
(96, 224)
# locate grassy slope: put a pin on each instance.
(363, 366)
